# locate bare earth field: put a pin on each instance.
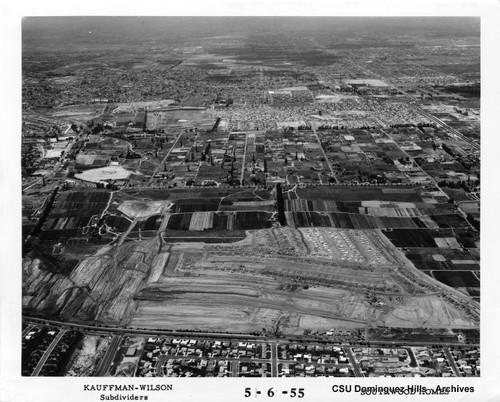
(141, 208)
(280, 279)
(316, 279)
(86, 359)
(100, 175)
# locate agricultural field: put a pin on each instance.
(294, 181)
(71, 215)
(218, 258)
(351, 221)
(200, 221)
(367, 208)
(449, 255)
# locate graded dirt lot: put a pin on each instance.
(86, 359)
(141, 208)
(101, 288)
(290, 280)
(101, 175)
(277, 279)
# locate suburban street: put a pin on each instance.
(355, 366)
(108, 357)
(47, 353)
(452, 361)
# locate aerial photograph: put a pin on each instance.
(250, 196)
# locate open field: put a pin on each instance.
(200, 221)
(352, 221)
(102, 175)
(428, 259)
(280, 279)
(141, 209)
(357, 194)
(127, 357)
(308, 183)
(289, 280)
(182, 117)
(87, 357)
(332, 264)
(100, 288)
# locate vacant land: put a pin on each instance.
(102, 175)
(87, 357)
(289, 280)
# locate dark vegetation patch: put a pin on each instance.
(195, 205)
(55, 264)
(241, 220)
(207, 236)
(179, 221)
(350, 221)
(117, 223)
(412, 237)
(184, 193)
(474, 292)
(61, 235)
(457, 279)
(348, 193)
(466, 237)
(423, 335)
(142, 234)
(450, 221)
(151, 224)
(68, 222)
(252, 220)
(424, 259)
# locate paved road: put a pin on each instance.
(355, 366)
(57, 166)
(47, 353)
(138, 331)
(109, 330)
(455, 133)
(244, 159)
(235, 362)
(325, 156)
(417, 108)
(32, 184)
(416, 165)
(164, 159)
(274, 359)
(127, 232)
(451, 360)
(165, 219)
(234, 368)
(26, 330)
(108, 357)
